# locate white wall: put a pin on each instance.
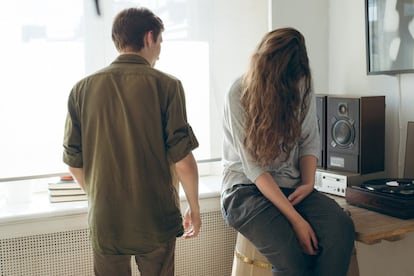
(246, 24)
(335, 35)
(347, 75)
(310, 18)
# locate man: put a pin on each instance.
(126, 141)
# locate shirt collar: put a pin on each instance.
(130, 58)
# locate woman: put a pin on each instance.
(270, 151)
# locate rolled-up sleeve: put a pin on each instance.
(180, 138)
(72, 141)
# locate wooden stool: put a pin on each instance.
(248, 261)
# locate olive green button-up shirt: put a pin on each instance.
(126, 126)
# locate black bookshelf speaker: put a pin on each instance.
(321, 117)
(355, 133)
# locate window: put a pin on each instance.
(51, 44)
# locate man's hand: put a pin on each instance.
(192, 223)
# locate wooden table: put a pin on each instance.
(372, 227)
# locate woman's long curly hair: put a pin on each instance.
(276, 88)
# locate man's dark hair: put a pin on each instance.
(131, 25)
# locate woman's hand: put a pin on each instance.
(304, 232)
(306, 237)
(300, 193)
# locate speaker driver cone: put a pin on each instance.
(343, 134)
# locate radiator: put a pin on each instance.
(70, 253)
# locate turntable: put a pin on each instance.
(394, 197)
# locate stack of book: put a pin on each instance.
(65, 189)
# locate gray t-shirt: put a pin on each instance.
(239, 165)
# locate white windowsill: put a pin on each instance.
(36, 206)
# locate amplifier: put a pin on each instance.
(336, 182)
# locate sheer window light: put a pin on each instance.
(51, 44)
